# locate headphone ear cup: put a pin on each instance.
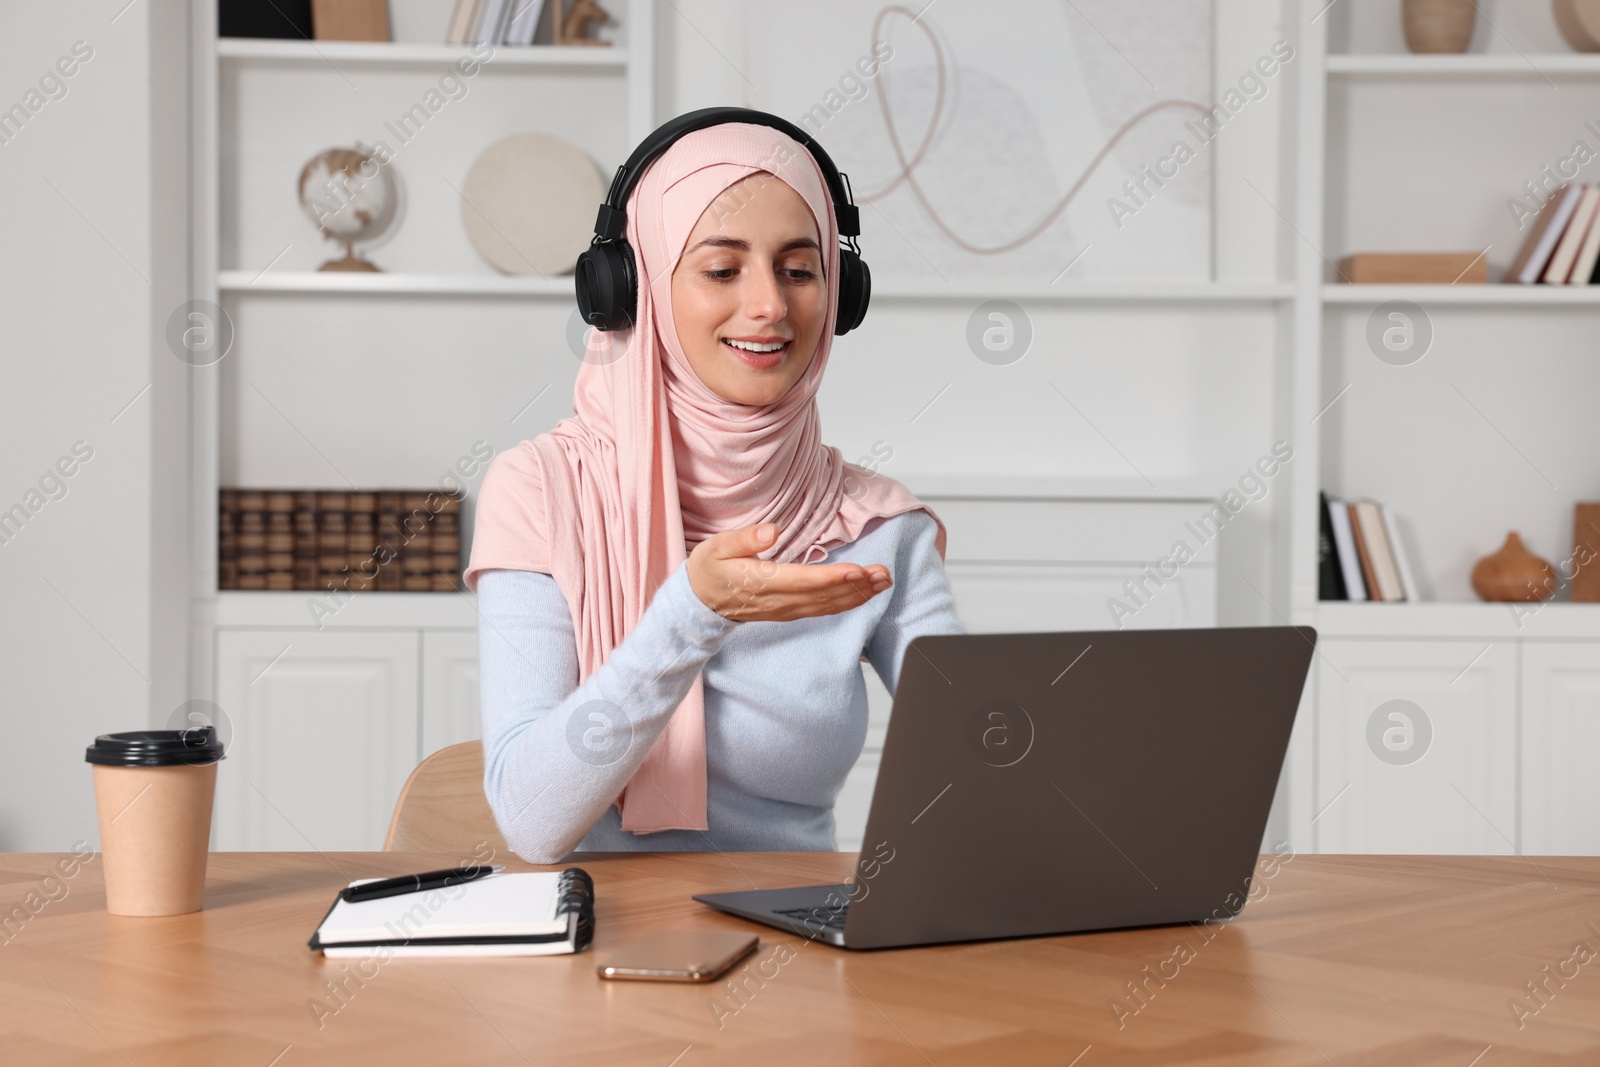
(855, 291)
(606, 285)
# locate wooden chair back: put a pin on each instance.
(442, 807)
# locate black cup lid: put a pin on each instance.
(156, 748)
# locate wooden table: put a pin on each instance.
(1337, 960)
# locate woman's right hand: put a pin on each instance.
(728, 576)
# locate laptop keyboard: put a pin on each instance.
(818, 917)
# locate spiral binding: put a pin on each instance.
(575, 895)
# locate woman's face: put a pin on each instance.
(751, 278)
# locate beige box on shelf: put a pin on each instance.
(350, 20)
(1415, 268)
(1586, 551)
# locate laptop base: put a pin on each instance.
(815, 912)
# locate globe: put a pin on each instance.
(350, 196)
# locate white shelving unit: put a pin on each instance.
(1152, 293)
(322, 370)
(312, 282)
(1372, 150)
(1481, 295)
(383, 53)
(1476, 436)
(225, 125)
(1512, 65)
(443, 348)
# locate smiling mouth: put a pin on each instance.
(759, 359)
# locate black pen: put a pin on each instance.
(414, 883)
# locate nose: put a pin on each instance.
(763, 296)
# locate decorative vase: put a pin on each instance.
(1513, 573)
(1579, 23)
(1438, 25)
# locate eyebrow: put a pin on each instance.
(739, 244)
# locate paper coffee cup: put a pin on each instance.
(153, 790)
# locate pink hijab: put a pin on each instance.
(611, 500)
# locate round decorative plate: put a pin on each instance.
(528, 203)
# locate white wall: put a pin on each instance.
(1185, 391)
(92, 259)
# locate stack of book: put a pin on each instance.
(394, 540)
(1563, 244)
(494, 22)
(1361, 557)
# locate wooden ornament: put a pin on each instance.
(1513, 574)
(1579, 22)
(1438, 25)
(574, 19)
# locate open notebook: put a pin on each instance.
(526, 913)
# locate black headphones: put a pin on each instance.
(607, 280)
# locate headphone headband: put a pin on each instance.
(606, 278)
(611, 222)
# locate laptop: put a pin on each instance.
(1052, 783)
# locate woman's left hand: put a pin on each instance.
(728, 576)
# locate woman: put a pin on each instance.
(666, 664)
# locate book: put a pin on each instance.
(329, 539)
(361, 542)
(462, 21)
(1540, 243)
(446, 561)
(228, 539)
(333, 539)
(252, 539)
(305, 539)
(523, 22)
(1369, 577)
(1408, 582)
(1566, 253)
(1589, 254)
(522, 913)
(491, 21)
(416, 557)
(1376, 540)
(284, 19)
(390, 540)
(1344, 541)
(280, 540)
(1330, 576)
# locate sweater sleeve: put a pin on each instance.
(556, 754)
(920, 601)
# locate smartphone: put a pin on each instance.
(680, 956)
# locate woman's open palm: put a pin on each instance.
(728, 576)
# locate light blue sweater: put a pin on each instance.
(786, 703)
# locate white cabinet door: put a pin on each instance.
(449, 689)
(1416, 746)
(325, 731)
(1560, 739)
